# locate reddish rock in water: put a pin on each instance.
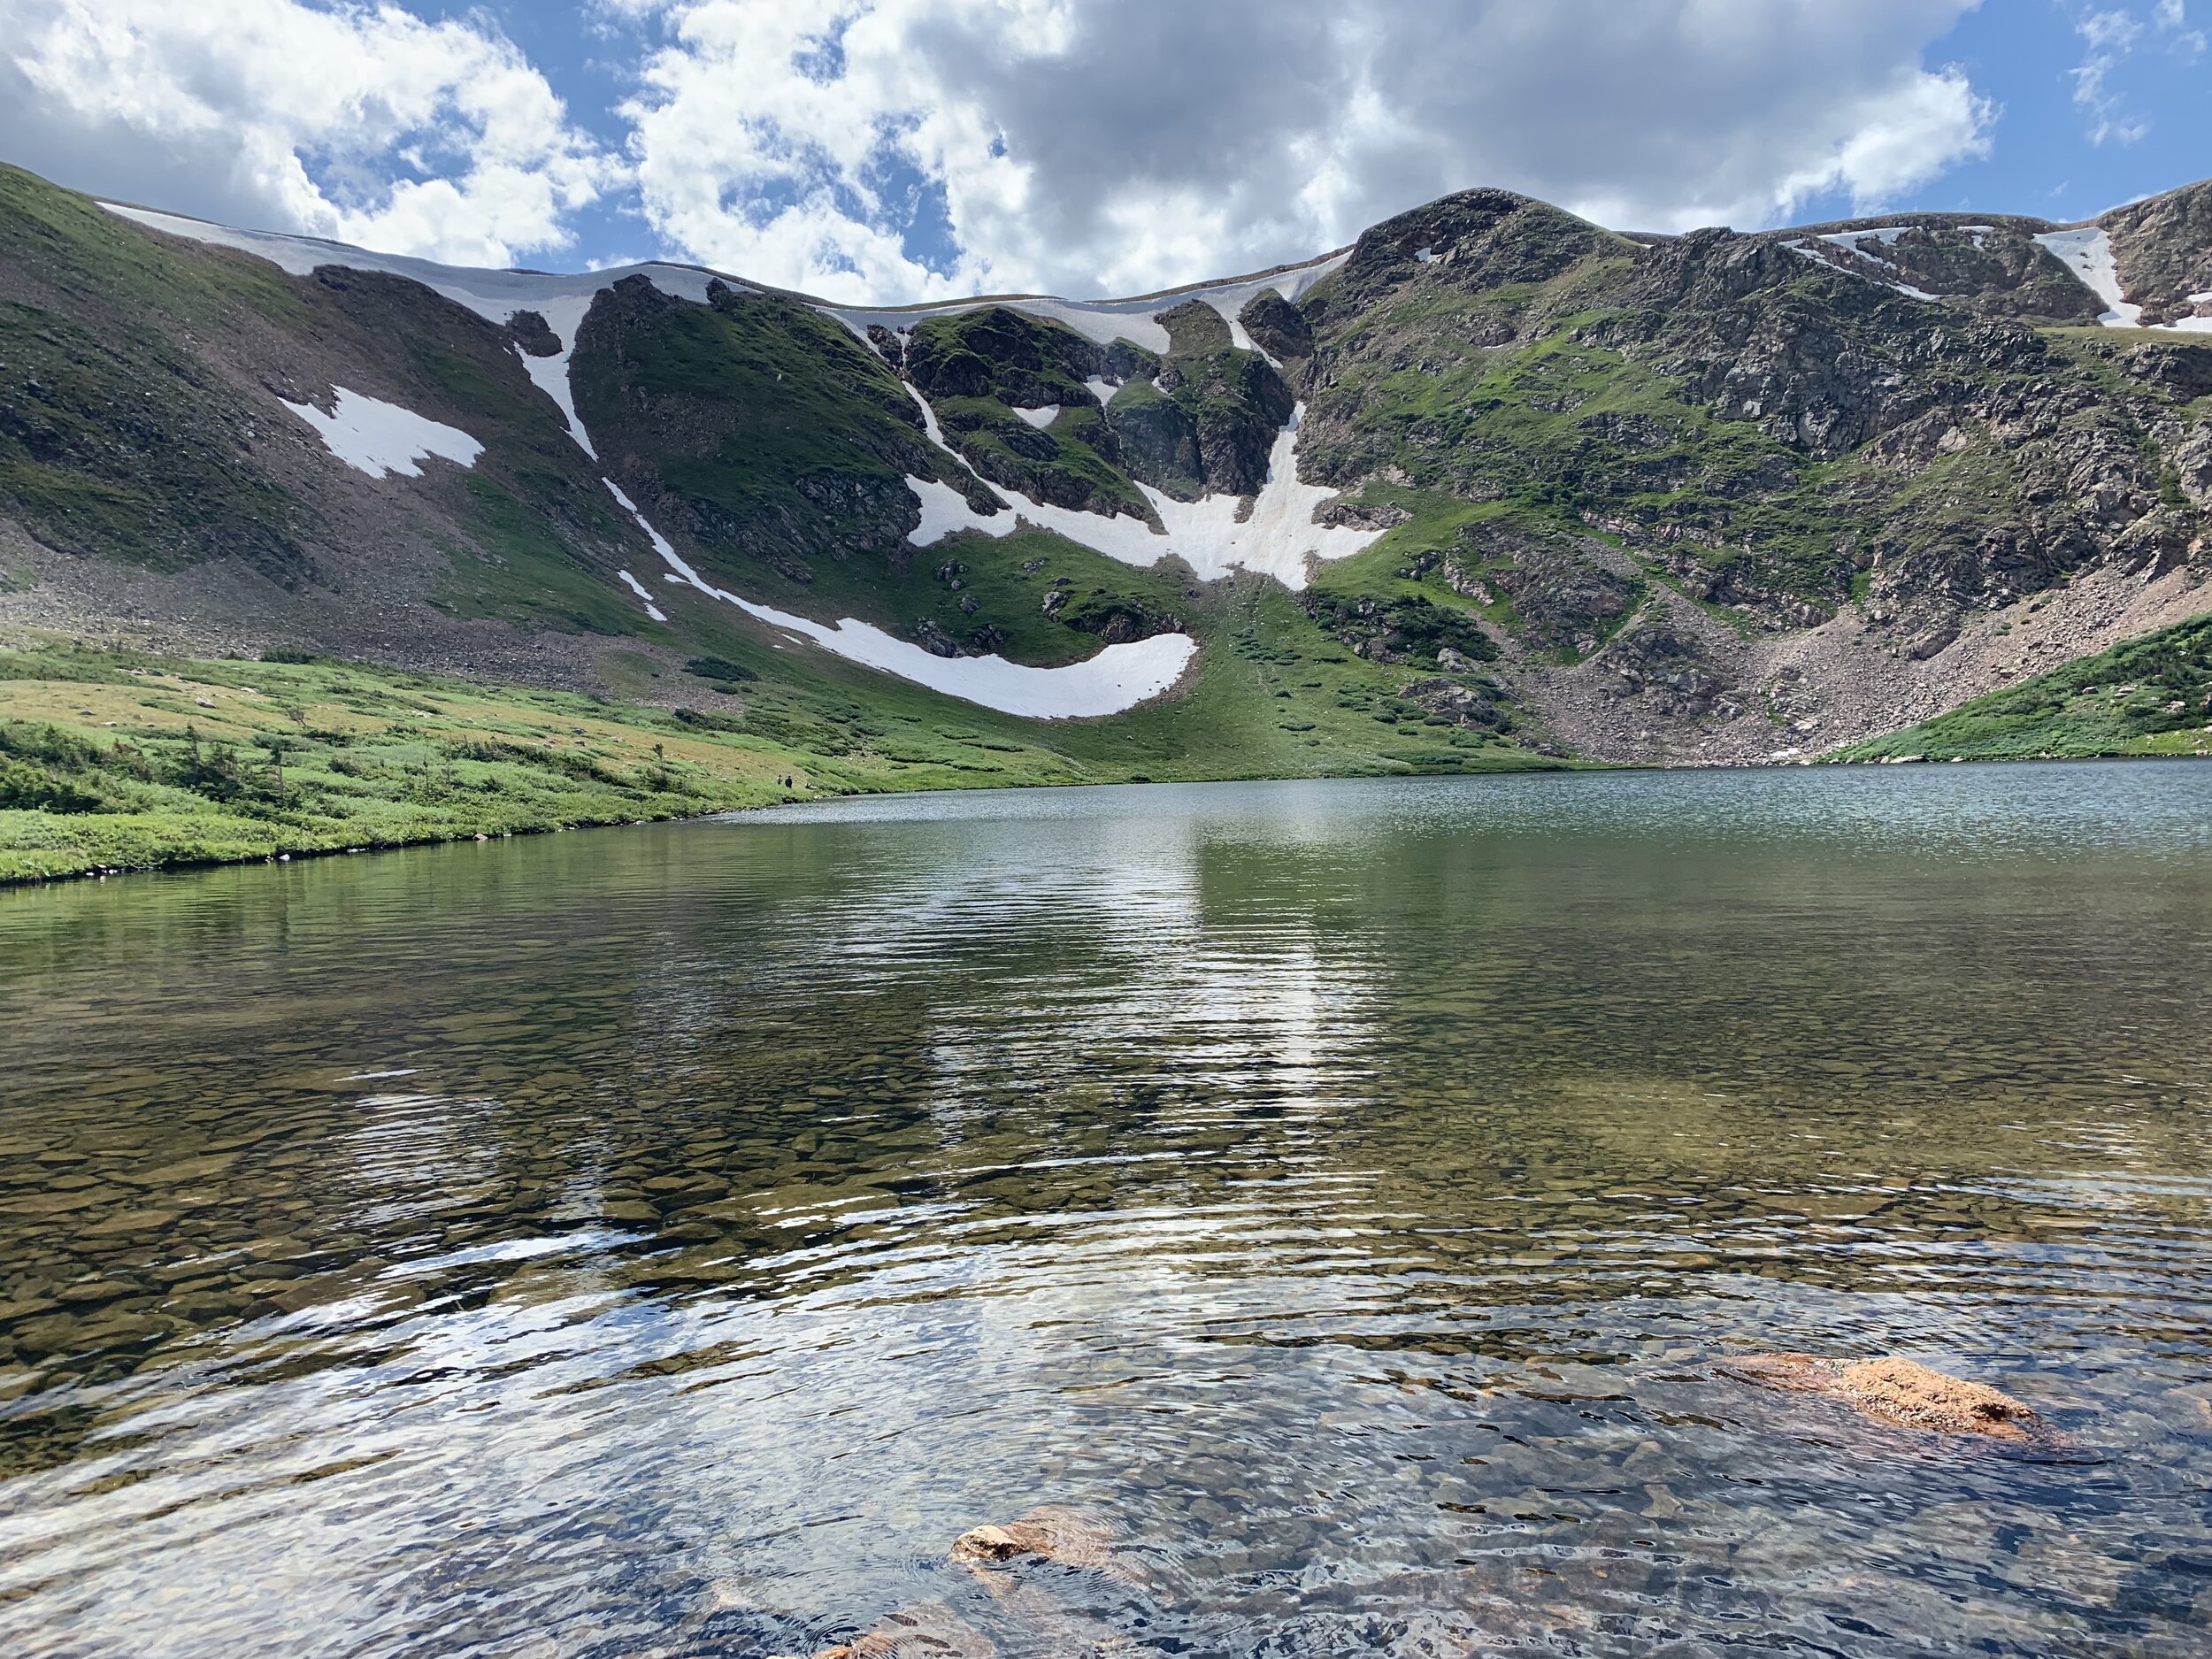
(1055, 1534)
(1896, 1391)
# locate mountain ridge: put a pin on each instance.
(1568, 490)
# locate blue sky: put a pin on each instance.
(905, 149)
(2043, 156)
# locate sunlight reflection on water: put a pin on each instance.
(665, 1241)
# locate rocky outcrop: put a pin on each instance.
(1206, 423)
(1899, 1392)
(1991, 266)
(1157, 440)
(996, 351)
(1406, 628)
(532, 335)
(1194, 329)
(1277, 327)
(1476, 241)
(2161, 250)
(1568, 593)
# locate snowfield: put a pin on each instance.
(381, 439)
(1279, 538)
(944, 510)
(2088, 255)
(1118, 678)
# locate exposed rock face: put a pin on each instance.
(534, 334)
(1994, 266)
(1157, 440)
(1475, 241)
(1207, 417)
(1276, 326)
(1568, 592)
(1900, 1392)
(2163, 250)
(1669, 665)
(1241, 404)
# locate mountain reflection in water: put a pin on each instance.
(666, 1241)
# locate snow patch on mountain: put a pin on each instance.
(944, 510)
(1278, 537)
(1105, 321)
(1116, 679)
(1040, 416)
(494, 296)
(1807, 250)
(2087, 253)
(638, 588)
(381, 439)
(564, 316)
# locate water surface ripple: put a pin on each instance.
(663, 1242)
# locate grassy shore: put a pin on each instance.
(113, 759)
(118, 761)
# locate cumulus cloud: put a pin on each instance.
(366, 124)
(895, 149)
(898, 149)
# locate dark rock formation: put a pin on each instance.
(1276, 326)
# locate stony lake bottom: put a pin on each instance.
(665, 1241)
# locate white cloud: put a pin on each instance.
(364, 124)
(2171, 17)
(2110, 36)
(911, 148)
(1090, 149)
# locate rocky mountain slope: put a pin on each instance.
(1492, 485)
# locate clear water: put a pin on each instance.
(664, 1242)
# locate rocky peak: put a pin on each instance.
(2161, 249)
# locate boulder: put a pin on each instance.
(1276, 326)
(1900, 1392)
(1058, 1535)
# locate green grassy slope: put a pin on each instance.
(121, 760)
(2148, 696)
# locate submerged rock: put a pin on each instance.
(1896, 1391)
(1058, 1535)
(931, 1631)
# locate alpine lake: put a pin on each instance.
(1345, 1198)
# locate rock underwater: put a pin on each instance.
(1899, 1392)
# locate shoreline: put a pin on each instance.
(184, 865)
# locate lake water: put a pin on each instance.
(664, 1242)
